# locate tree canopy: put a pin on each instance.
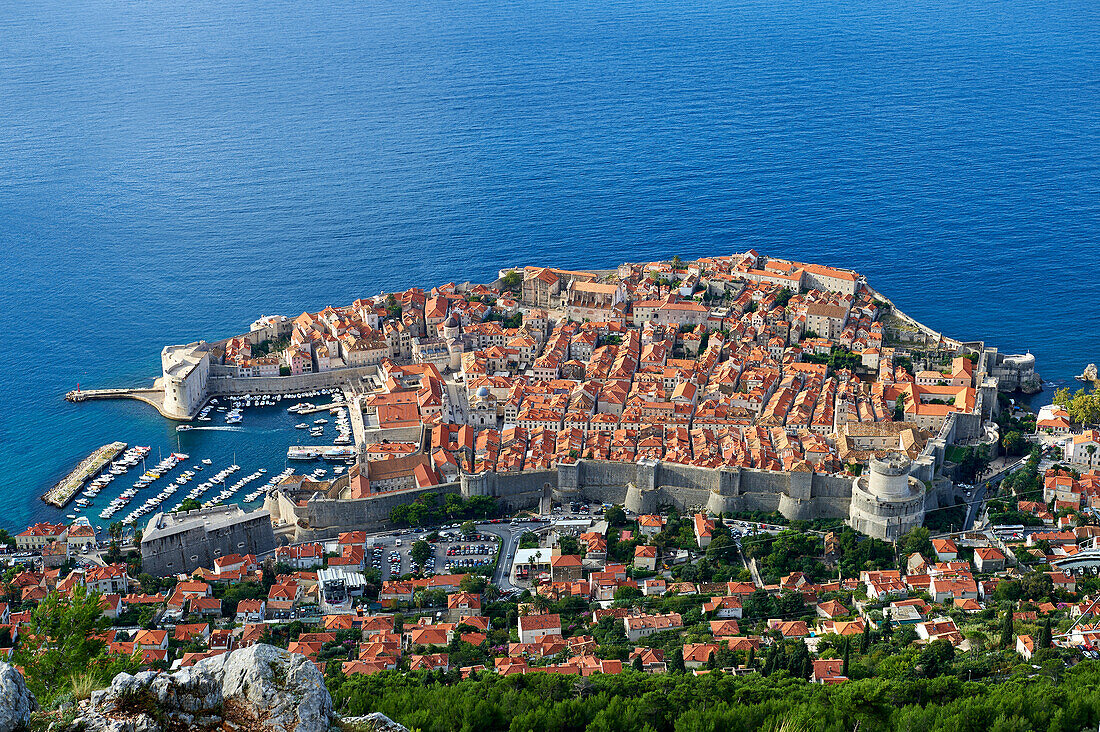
(70, 629)
(1083, 407)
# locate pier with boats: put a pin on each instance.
(94, 487)
(60, 495)
(300, 453)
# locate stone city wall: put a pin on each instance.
(324, 518)
(288, 384)
(643, 487)
(199, 545)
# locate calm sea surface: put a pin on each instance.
(170, 170)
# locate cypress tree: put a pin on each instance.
(1045, 637)
(752, 657)
(865, 642)
(800, 664)
(638, 663)
(1006, 630)
(676, 665)
(769, 661)
(847, 650)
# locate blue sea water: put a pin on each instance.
(170, 170)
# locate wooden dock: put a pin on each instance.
(88, 468)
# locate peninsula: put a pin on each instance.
(728, 383)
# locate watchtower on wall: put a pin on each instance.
(886, 500)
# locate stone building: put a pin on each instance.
(182, 542)
(886, 500)
(185, 371)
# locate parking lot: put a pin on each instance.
(453, 553)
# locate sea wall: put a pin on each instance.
(218, 385)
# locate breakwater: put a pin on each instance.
(88, 468)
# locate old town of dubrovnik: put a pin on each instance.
(734, 465)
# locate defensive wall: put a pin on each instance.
(232, 385)
(643, 487)
(184, 541)
(319, 517)
(647, 485)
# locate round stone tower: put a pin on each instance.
(455, 349)
(889, 477)
(886, 500)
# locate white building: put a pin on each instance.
(184, 374)
(1083, 451)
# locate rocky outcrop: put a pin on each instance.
(260, 688)
(16, 700)
(1032, 385)
(376, 722)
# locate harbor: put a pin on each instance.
(235, 450)
(60, 495)
(329, 453)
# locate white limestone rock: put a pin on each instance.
(16, 700)
(376, 722)
(280, 690)
(260, 688)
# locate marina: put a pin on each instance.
(60, 495)
(203, 463)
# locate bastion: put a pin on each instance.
(887, 501)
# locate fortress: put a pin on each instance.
(885, 502)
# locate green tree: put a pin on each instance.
(626, 592)
(637, 663)
(421, 551)
(474, 583)
(189, 504)
(66, 630)
(569, 545)
(936, 657)
(917, 540)
(865, 641)
(1014, 443)
(469, 528)
(511, 281)
(615, 516)
(1045, 635)
(800, 663)
(1036, 585)
(1007, 635)
(453, 505)
(721, 549)
(847, 652)
(676, 663)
